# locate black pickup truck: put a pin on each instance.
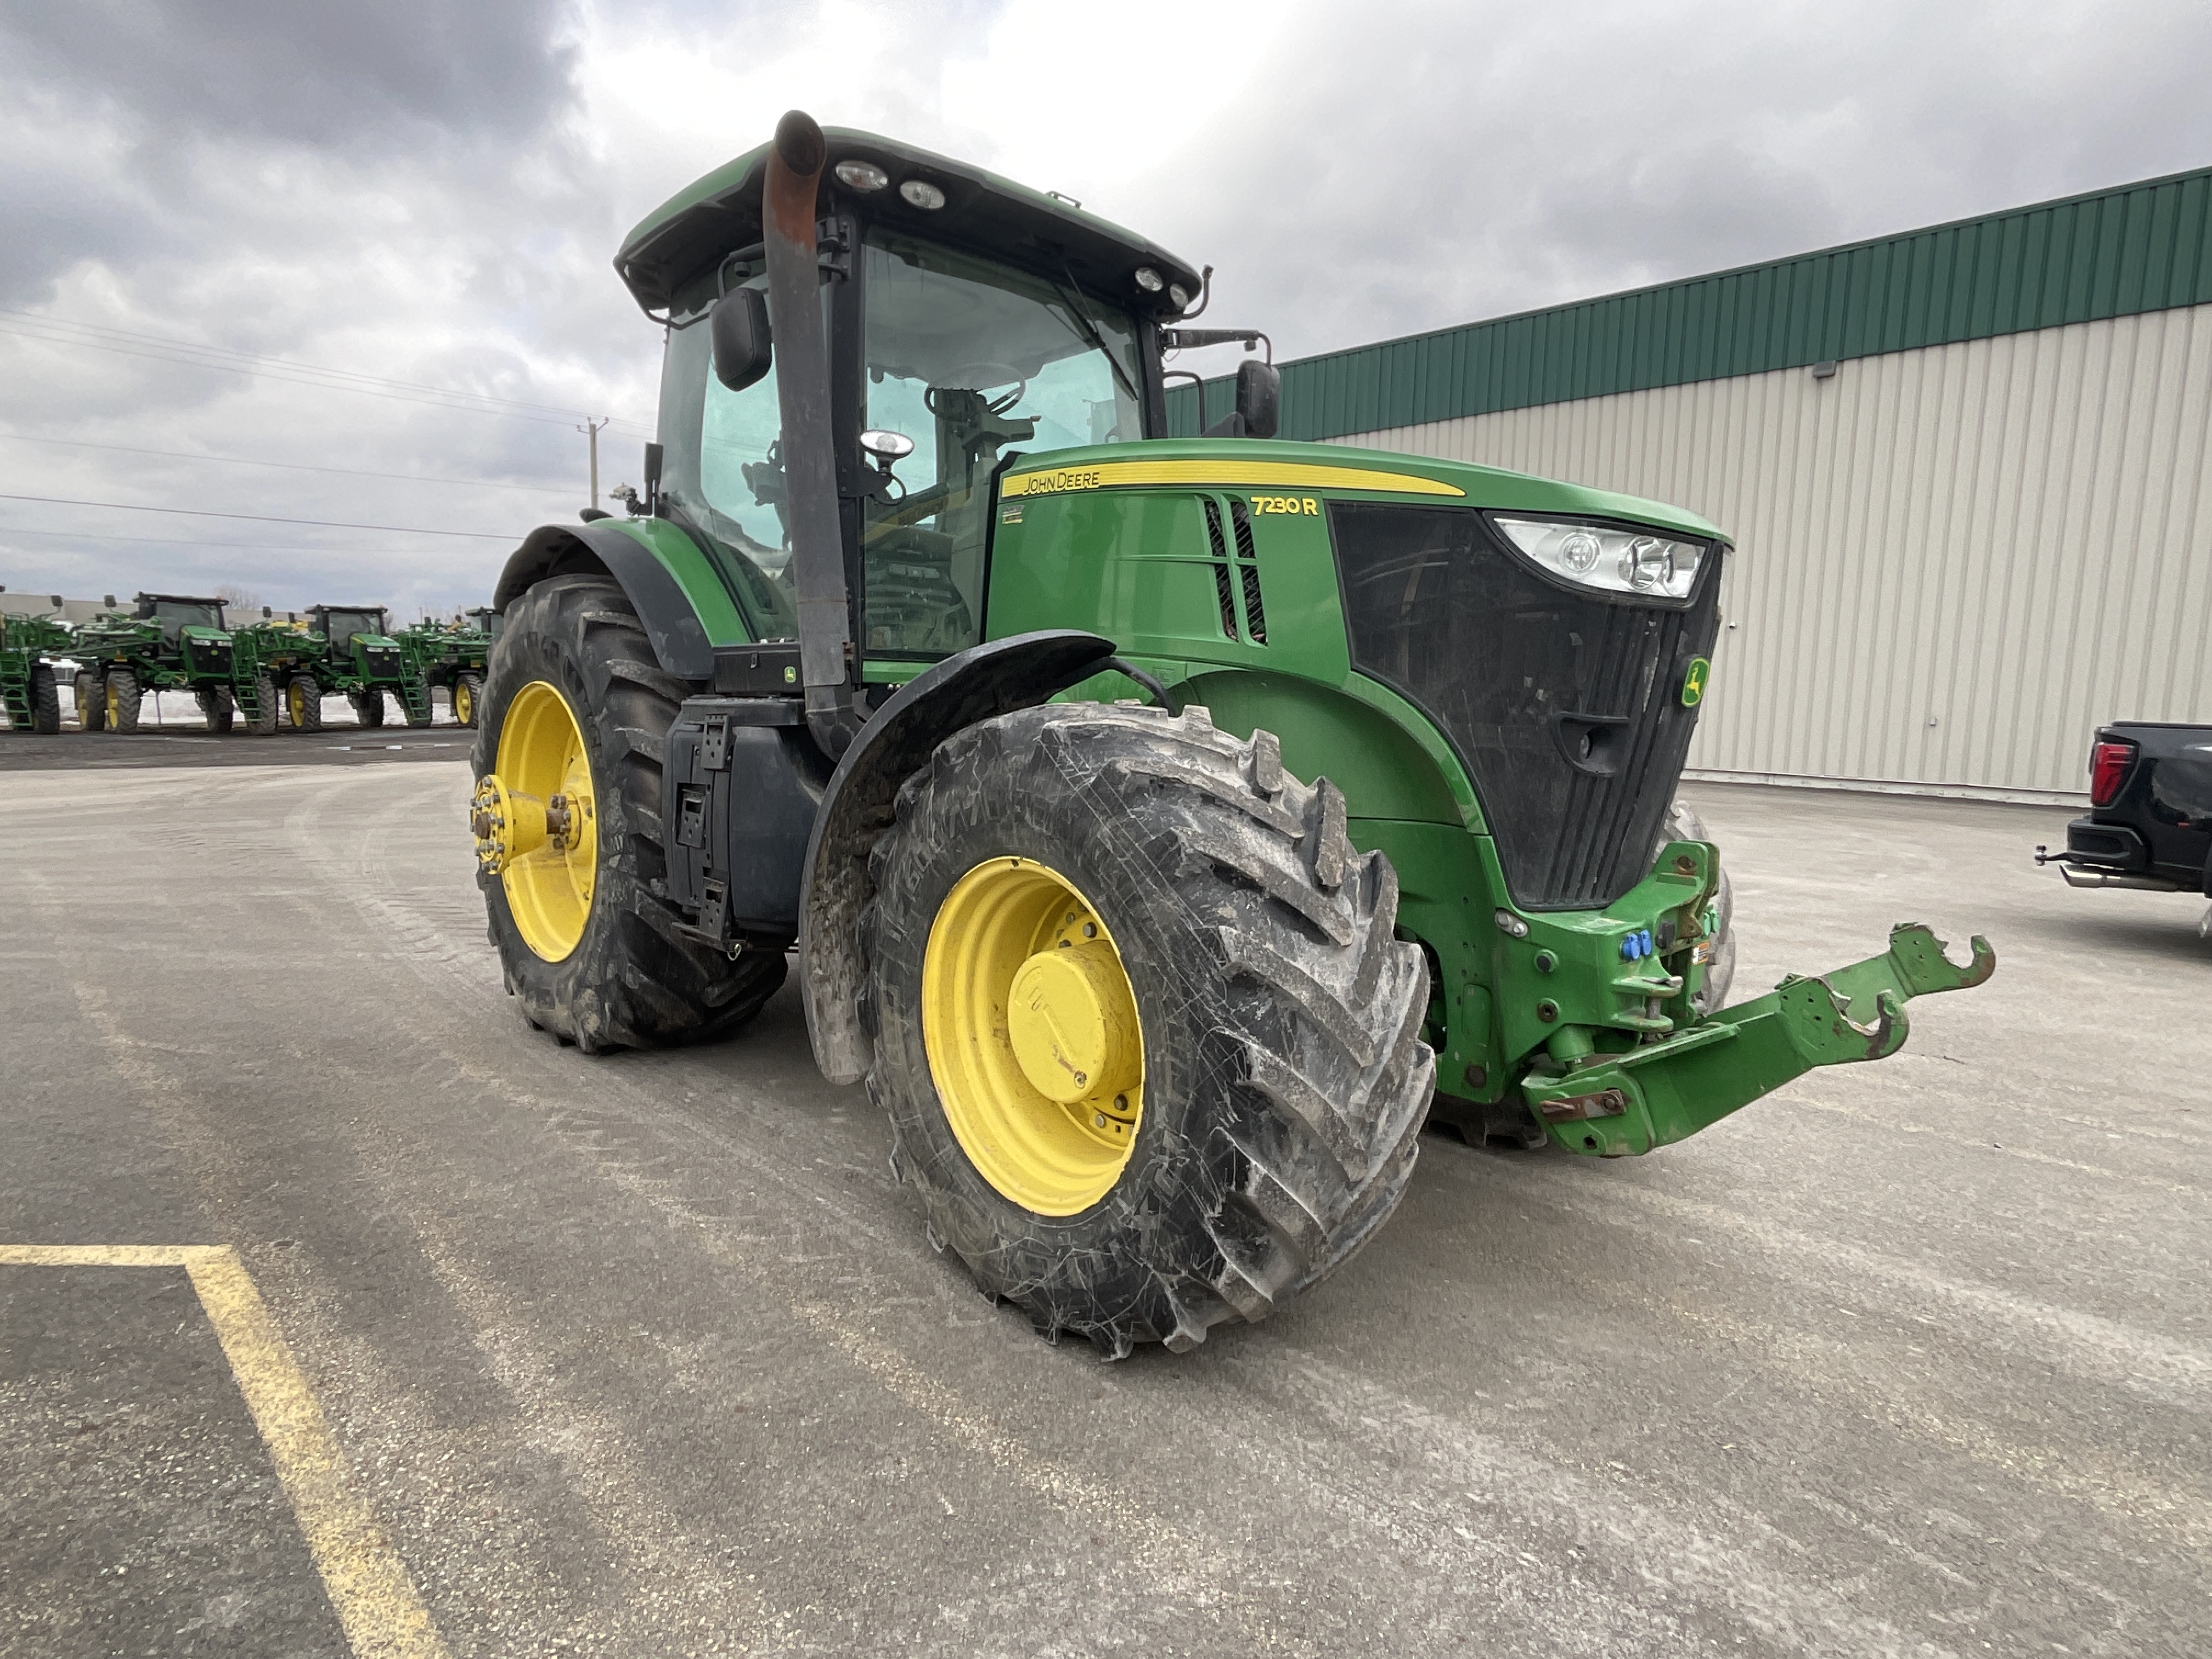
(2150, 811)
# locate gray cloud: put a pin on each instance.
(431, 191)
(304, 73)
(1431, 164)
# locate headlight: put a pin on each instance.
(1618, 561)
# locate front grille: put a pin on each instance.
(1565, 706)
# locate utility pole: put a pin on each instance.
(591, 428)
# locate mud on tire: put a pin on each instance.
(1286, 1081)
(633, 980)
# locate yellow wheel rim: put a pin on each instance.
(114, 705)
(296, 701)
(537, 821)
(1031, 1026)
(464, 703)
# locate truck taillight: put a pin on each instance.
(2108, 771)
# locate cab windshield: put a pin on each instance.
(175, 617)
(345, 625)
(965, 359)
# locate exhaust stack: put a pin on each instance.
(791, 192)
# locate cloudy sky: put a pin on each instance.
(359, 252)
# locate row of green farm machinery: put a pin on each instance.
(267, 675)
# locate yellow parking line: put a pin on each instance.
(368, 1585)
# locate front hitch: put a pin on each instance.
(1613, 1104)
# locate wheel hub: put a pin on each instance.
(534, 821)
(1029, 1021)
(1070, 1024)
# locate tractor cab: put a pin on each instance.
(176, 613)
(195, 634)
(966, 321)
(485, 621)
(359, 642)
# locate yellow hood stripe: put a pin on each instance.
(1230, 474)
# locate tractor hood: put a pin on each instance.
(1269, 463)
(722, 212)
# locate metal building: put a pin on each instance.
(1966, 469)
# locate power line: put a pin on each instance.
(261, 518)
(293, 466)
(324, 379)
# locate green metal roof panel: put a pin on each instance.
(2134, 248)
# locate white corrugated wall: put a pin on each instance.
(1951, 564)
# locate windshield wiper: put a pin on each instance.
(1073, 296)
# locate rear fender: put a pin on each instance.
(604, 548)
(979, 684)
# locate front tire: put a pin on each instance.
(265, 700)
(124, 701)
(45, 700)
(367, 708)
(303, 702)
(1282, 1081)
(217, 706)
(613, 971)
(91, 702)
(468, 697)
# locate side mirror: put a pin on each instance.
(1258, 398)
(738, 328)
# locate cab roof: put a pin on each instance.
(722, 212)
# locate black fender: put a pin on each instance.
(979, 684)
(557, 550)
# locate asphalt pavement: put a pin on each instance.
(647, 1355)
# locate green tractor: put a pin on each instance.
(345, 648)
(1165, 828)
(166, 642)
(28, 690)
(452, 655)
(270, 657)
(364, 662)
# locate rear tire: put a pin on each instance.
(632, 979)
(91, 702)
(45, 700)
(124, 701)
(217, 706)
(1284, 1079)
(1681, 823)
(467, 698)
(303, 702)
(266, 699)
